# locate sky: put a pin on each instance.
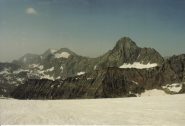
(89, 27)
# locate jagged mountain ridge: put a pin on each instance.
(67, 63)
(63, 63)
(109, 82)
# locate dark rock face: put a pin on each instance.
(173, 70)
(106, 83)
(6, 78)
(11, 66)
(99, 84)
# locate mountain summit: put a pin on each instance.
(125, 43)
(126, 51)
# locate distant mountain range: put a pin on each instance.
(126, 70)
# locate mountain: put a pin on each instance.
(173, 69)
(126, 51)
(110, 82)
(63, 62)
(125, 66)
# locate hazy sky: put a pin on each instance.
(89, 27)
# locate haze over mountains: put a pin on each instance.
(126, 70)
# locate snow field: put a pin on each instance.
(154, 110)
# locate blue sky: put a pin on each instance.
(90, 27)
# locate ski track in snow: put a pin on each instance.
(154, 110)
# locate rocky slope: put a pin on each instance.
(9, 78)
(109, 83)
(99, 84)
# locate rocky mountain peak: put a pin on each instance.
(125, 43)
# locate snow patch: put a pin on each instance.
(135, 82)
(62, 69)
(40, 71)
(5, 71)
(138, 65)
(42, 74)
(62, 55)
(95, 67)
(41, 67)
(36, 66)
(153, 92)
(175, 87)
(19, 70)
(50, 69)
(80, 73)
(33, 65)
(89, 78)
(20, 79)
(45, 76)
(58, 77)
(138, 56)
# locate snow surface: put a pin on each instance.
(151, 111)
(62, 55)
(80, 73)
(138, 65)
(175, 87)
